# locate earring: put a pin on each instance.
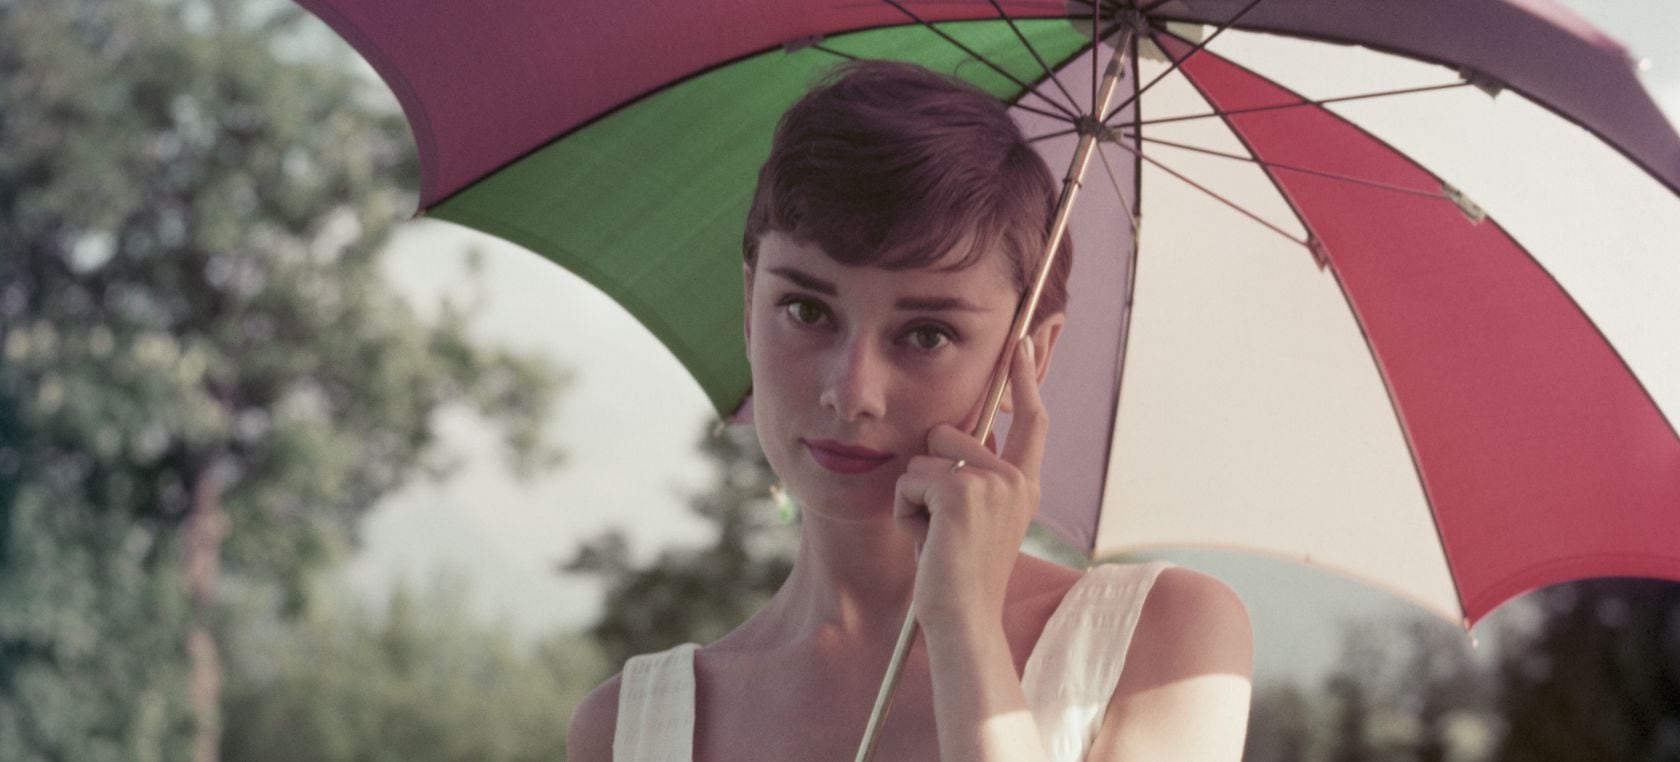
(786, 509)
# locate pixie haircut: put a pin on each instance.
(891, 165)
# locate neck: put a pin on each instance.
(851, 580)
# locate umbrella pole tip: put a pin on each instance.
(1475, 642)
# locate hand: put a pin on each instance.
(970, 522)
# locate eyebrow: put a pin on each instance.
(936, 304)
(806, 280)
(918, 303)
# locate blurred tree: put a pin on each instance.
(1282, 724)
(696, 594)
(1599, 677)
(1442, 688)
(201, 371)
(1595, 675)
(1403, 689)
(422, 683)
(1353, 690)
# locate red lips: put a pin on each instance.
(843, 458)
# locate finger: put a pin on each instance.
(1028, 427)
(949, 444)
(930, 465)
(910, 499)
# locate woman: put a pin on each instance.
(892, 234)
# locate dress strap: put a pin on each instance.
(656, 707)
(1076, 663)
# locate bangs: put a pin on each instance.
(893, 166)
(878, 227)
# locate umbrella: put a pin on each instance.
(1314, 346)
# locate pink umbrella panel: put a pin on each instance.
(1325, 354)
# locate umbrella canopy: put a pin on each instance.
(1313, 346)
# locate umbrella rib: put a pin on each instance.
(1095, 15)
(1049, 135)
(1041, 112)
(1074, 102)
(1130, 216)
(1314, 246)
(1101, 33)
(1220, 29)
(1097, 34)
(1299, 104)
(1065, 115)
(1294, 168)
(833, 52)
(1216, 196)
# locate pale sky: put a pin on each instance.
(631, 420)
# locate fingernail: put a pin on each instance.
(1029, 344)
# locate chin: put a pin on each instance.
(848, 498)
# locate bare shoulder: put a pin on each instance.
(589, 737)
(1036, 590)
(1184, 690)
(1037, 578)
(1195, 621)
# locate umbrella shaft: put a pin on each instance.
(1090, 129)
(1090, 132)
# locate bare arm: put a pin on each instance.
(1184, 691)
(970, 522)
(979, 708)
(589, 737)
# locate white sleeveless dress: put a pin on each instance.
(1068, 680)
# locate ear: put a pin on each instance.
(1044, 341)
(746, 308)
(1044, 344)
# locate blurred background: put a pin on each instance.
(287, 476)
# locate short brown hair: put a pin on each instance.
(889, 164)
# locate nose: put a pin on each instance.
(856, 385)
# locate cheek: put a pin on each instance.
(782, 371)
(770, 349)
(773, 375)
(941, 393)
(779, 408)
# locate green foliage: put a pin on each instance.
(421, 683)
(191, 215)
(91, 660)
(696, 594)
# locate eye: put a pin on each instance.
(929, 337)
(804, 311)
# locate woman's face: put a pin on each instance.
(852, 366)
